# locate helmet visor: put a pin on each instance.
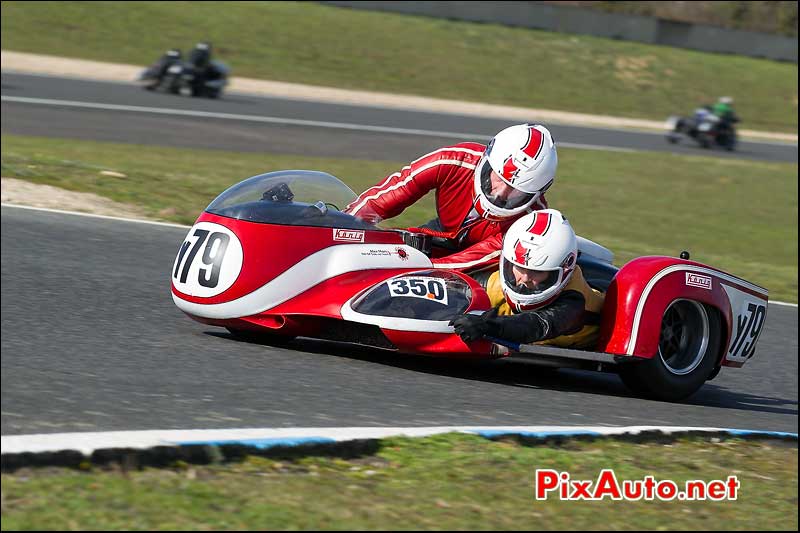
(527, 281)
(501, 193)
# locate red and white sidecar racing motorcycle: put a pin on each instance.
(274, 255)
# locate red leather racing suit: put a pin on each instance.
(449, 170)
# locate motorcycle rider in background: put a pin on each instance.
(169, 58)
(480, 191)
(724, 110)
(539, 293)
(200, 61)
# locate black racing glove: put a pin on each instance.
(473, 327)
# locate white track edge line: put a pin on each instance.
(92, 215)
(90, 441)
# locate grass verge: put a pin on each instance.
(305, 42)
(737, 215)
(452, 481)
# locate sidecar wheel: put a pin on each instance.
(687, 354)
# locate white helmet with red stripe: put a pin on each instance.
(539, 254)
(519, 165)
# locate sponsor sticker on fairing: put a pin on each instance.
(698, 280)
(348, 235)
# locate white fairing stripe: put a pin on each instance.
(409, 178)
(399, 324)
(314, 269)
(471, 263)
(678, 268)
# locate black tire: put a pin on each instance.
(171, 84)
(260, 337)
(705, 141)
(687, 354)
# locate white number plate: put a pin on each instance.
(432, 289)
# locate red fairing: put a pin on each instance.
(327, 298)
(308, 314)
(271, 249)
(440, 344)
(446, 344)
(643, 289)
(480, 300)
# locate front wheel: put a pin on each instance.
(687, 354)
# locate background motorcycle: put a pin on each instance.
(704, 127)
(174, 75)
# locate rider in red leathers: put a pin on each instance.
(480, 191)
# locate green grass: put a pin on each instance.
(306, 42)
(737, 215)
(444, 482)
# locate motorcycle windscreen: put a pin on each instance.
(291, 198)
(424, 295)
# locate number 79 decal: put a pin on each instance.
(748, 317)
(747, 326)
(208, 261)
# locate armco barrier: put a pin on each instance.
(566, 19)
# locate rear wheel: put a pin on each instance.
(730, 142)
(687, 354)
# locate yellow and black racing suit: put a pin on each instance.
(572, 320)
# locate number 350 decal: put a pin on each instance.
(208, 262)
(427, 288)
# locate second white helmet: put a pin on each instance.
(524, 158)
(540, 251)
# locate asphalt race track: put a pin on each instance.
(325, 130)
(92, 341)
